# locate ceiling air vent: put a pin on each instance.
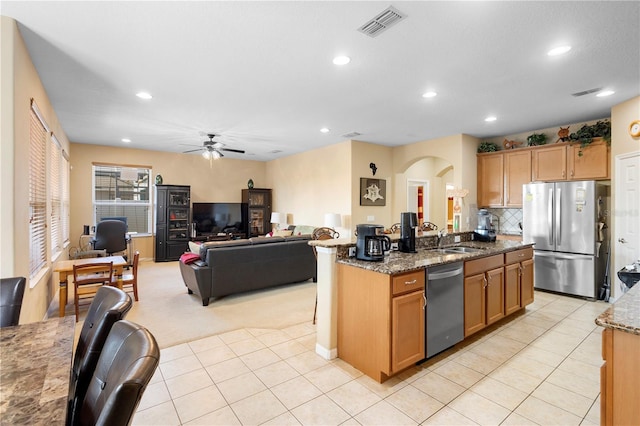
(351, 135)
(390, 16)
(586, 92)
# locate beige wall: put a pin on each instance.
(218, 181)
(22, 83)
(621, 143)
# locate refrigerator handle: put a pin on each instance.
(550, 215)
(558, 216)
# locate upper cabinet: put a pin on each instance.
(502, 174)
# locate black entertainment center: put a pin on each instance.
(213, 221)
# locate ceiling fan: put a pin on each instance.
(213, 149)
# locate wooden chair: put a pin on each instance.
(323, 233)
(395, 228)
(88, 278)
(428, 226)
(130, 278)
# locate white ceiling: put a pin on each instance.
(261, 75)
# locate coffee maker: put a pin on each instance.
(371, 243)
(408, 223)
(484, 231)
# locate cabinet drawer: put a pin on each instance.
(411, 281)
(483, 264)
(518, 256)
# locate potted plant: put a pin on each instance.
(536, 139)
(585, 135)
(487, 147)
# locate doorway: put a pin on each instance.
(418, 198)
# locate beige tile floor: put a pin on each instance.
(539, 367)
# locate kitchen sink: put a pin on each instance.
(462, 249)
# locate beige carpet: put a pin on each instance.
(173, 316)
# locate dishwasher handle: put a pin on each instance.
(432, 276)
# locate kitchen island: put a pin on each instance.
(376, 310)
(619, 391)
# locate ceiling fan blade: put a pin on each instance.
(192, 150)
(239, 151)
(189, 144)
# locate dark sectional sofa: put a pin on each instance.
(229, 267)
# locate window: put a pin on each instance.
(123, 191)
(38, 133)
(55, 195)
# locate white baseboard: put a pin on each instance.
(326, 353)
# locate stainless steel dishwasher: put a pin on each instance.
(445, 307)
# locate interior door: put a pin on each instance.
(626, 241)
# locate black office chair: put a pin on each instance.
(111, 235)
(109, 305)
(128, 360)
(11, 293)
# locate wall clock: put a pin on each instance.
(634, 128)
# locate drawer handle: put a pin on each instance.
(412, 282)
(521, 255)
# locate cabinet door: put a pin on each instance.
(474, 304)
(161, 243)
(517, 171)
(526, 282)
(161, 207)
(407, 330)
(549, 163)
(592, 164)
(495, 295)
(511, 288)
(491, 180)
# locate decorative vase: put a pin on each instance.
(250, 184)
(158, 179)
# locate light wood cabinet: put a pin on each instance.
(517, 171)
(491, 180)
(483, 293)
(381, 320)
(619, 391)
(518, 279)
(500, 178)
(564, 162)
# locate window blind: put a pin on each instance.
(37, 191)
(66, 212)
(55, 194)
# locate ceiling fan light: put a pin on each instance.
(216, 154)
(206, 154)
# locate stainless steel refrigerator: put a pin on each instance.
(566, 223)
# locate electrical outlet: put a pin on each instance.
(456, 238)
(352, 252)
(394, 246)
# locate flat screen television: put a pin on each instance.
(215, 218)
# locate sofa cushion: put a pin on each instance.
(283, 233)
(302, 229)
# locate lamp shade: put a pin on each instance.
(332, 220)
(277, 217)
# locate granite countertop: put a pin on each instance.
(397, 262)
(35, 371)
(624, 314)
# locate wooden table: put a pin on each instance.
(64, 268)
(36, 369)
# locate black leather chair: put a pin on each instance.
(11, 293)
(109, 305)
(128, 360)
(111, 235)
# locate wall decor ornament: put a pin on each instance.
(373, 192)
(250, 184)
(158, 179)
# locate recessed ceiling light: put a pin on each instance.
(341, 60)
(605, 93)
(490, 118)
(125, 140)
(429, 95)
(144, 95)
(559, 50)
(324, 130)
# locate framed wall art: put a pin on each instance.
(373, 192)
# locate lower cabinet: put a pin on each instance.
(619, 391)
(518, 280)
(483, 293)
(381, 320)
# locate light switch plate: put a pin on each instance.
(352, 252)
(371, 218)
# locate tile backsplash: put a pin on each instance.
(505, 221)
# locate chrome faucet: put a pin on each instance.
(441, 234)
